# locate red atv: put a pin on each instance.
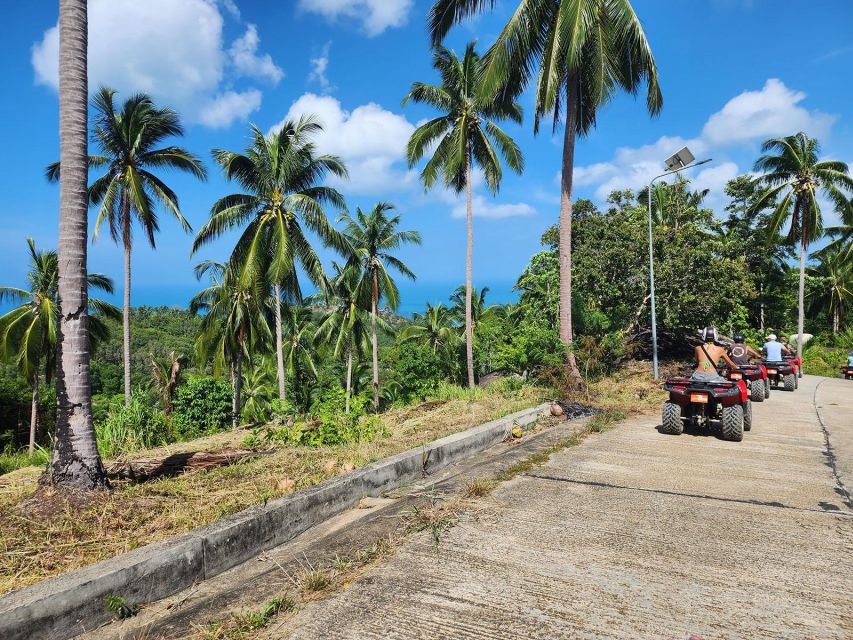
(699, 403)
(781, 374)
(798, 368)
(847, 371)
(755, 376)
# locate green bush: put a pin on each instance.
(328, 425)
(202, 406)
(132, 427)
(418, 370)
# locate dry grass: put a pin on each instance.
(36, 544)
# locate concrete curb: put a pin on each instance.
(70, 604)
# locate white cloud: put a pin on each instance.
(172, 50)
(319, 65)
(756, 115)
(375, 15)
(491, 209)
(371, 140)
(230, 106)
(247, 62)
(750, 116)
(232, 8)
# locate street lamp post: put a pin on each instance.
(676, 163)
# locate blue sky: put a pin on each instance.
(733, 72)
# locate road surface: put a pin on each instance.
(636, 534)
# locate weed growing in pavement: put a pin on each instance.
(479, 487)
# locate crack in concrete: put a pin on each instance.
(684, 494)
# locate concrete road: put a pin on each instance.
(635, 534)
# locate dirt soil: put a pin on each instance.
(636, 534)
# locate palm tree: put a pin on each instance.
(75, 461)
(585, 50)
(466, 134)
(128, 141)
(673, 204)
(372, 237)
(259, 391)
(280, 174)
(234, 321)
(794, 175)
(479, 309)
(298, 330)
(28, 333)
(344, 325)
(835, 294)
(433, 328)
(166, 376)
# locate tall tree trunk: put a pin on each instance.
(836, 320)
(34, 417)
(566, 333)
(469, 259)
(279, 345)
(75, 461)
(125, 219)
(236, 387)
(761, 308)
(801, 313)
(349, 380)
(374, 340)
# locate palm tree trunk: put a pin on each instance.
(761, 307)
(349, 379)
(236, 387)
(34, 417)
(566, 333)
(374, 341)
(469, 258)
(75, 461)
(801, 314)
(125, 215)
(836, 321)
(279, 345)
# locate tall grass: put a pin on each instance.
(128, 428)
(11, 459)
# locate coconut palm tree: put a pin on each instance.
(479, 309)
(585, 50)
(234, 322)
(344, 323)
(298, 330)
(259, 391)
(166, 376)
(75, 461)
(793, 176)
(433, 327)
(465, 135)
(372, 236)
(835, 293)
(673, 204)
(128, 141)
(283, 198)
(28, 333)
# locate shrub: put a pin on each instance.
(202, 406)
(419, 371)
(328, 425)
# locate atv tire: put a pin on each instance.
(766, 389)
(747, 416)
(796, 382)
(790, 382)
(756, 390)
(733, 423)
(672, 423)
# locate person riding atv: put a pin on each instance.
(792, 356)
(779, 369)
(706, 396)
(754, 374)
(847, 370)
(708, 355)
